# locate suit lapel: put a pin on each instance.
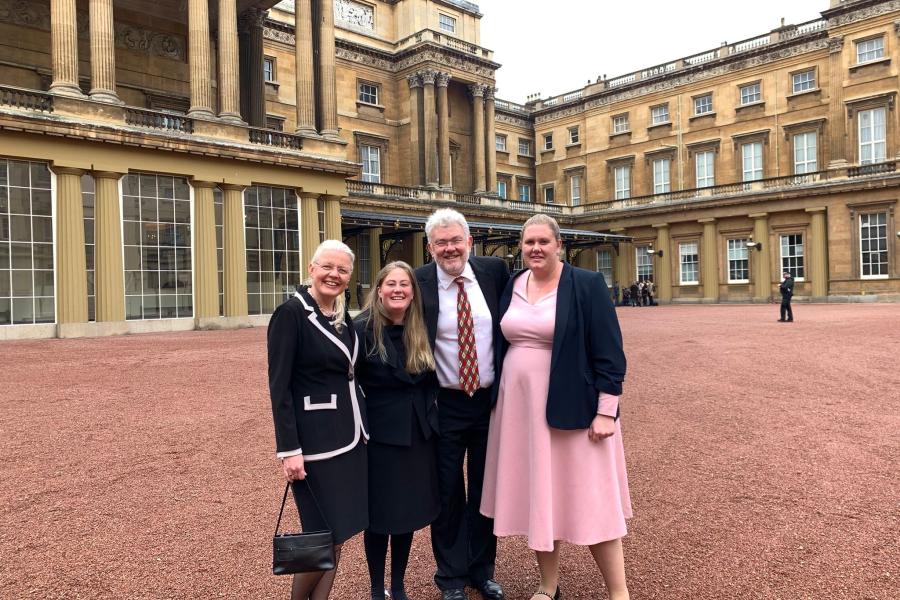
(430, 301)
(564, 294)
(314, 319)
(488, 287)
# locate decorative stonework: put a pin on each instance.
(444, 59)
(279, 35)
(355, 15)
(513, 120)
(428, 76)
(835, 44)
(868, 12)
(443, 79)
(477, 90)
(489, 92)
(252, 18)
(414, 80)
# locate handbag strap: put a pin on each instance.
(284, 499)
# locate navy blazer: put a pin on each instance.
(587, 356)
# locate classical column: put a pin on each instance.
(234, 251)
(309, 228)
(430, 114)
(327, 95)
(663, 264)
(818, 252)
(621, 270)
(490, 145)
(415, 123)
(443, 80)
(477, 91)
(837, 121)
(64, 48)
(103, 52)
(417, 240)
(71, 270)
(304, 72)
(333, 218)
(198, 57)
(206, 269)
(762, 272)
(374, 254)
(109, 272)
(709, 261)
(252, 22)
(229, 69)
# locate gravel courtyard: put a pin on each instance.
(764, 461)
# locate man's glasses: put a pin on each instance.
(446, 243)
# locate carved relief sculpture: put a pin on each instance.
(354, 14)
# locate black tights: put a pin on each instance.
(376, 551)
(316, 585)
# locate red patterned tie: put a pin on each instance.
(465, 332)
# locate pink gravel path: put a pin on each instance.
(763, 460)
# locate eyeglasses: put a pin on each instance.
(343, 271)
(457, 241)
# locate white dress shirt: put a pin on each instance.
(446, 345)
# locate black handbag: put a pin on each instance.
(305, 551)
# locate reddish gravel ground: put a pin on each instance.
(763, 460)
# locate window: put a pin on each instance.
(661, 182)
(703, 105)
(705, 163)
(804, 81)
(274, 123)
(500, 143)
(659, 114)
(524, 192)
(549, 193)
(573, 135)
(644, 262)
(370, 157)
(501, 189)
(867, 50)
(738, 261)
(525, 147)
(156, 213)
(751, 94)
(751, 155)
(367, 92)
(605, 265)
(873, 247)
(363, 262)
(447, 23)
(548, 141)
(220, 241)
(620, 124)
(805, 153)
(622, 178)
(320, 212)
(87, 206)
(792, 255)
(273, 247)
(269, 70)
(872, 134)
(26, 244)
(689, 261)
(575, 185)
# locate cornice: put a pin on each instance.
(852, 12)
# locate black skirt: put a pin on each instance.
(403, 485)
(341, 488)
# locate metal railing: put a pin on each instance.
(382, 190)
(279, 139)
(154, 119)
(27, 99)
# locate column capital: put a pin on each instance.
(107, 175)
(232, 187)
(489, 92)
(252, 18)
(817, 209)
(307, 195)
(709, 220)
(443, 79)
(203, 184)
(414, 80)
(428, 76)
(660, 225)
(68, 171)
(835, 44)
(477, 90)
(761, 215)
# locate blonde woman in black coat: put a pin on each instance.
(396, 371)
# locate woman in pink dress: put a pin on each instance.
(555, 461)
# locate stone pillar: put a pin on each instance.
(64, 48)
(417, 240)
(477, 91)
(103, 52)
(109, 272)
(252, 22)
(415, 123)
(309, 228)
(443, 80)
(198, 57)
(621, 270)
(374, 254)
(234, 251)
(229, 69)
(663, 268)
(327, 94)
(762, 269)
(206, 270)
(709, 262)
(71, 269)
(837, 122)
(430, 116)
(818, 253)
(490, 145)
(306, 94)
(333, 218)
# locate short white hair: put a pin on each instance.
(444, 217)
(333, 245)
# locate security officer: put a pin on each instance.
(787, 292)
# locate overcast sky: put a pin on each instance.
(555, 46)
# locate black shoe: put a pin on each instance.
(490, 589)
(790, 320)
(782, 321)
(458, 594)
(397, 593)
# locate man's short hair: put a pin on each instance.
(444, 217)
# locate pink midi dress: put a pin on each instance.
(544, 483)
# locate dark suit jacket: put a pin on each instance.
(316, 400)
(787, 288)
(393, 396)
(587, 356)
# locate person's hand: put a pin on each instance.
(294, 469)
(601, 427)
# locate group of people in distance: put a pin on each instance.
(455, 372)
(640, 293)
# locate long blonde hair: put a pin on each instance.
(419, 357)
(340, 304)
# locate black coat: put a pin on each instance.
(393, 396)
(316, 400)
(587, 356)
(787, 288)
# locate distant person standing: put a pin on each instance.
(645, 293)
(616, 294)
(787, 292)
(635, 294)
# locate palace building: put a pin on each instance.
(170, 167)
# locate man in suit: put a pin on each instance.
(787, 292)
(460, 295)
